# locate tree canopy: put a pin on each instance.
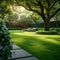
(5, 7)
(41, 6)
(45, 8)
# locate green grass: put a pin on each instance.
(44, 47)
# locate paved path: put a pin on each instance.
(20, 54)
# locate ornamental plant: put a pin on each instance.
(5, 45)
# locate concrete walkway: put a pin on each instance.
(20, 54)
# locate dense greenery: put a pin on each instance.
(53, 24)
(5, 45)
(13, 26)
(4, 9)
(44, 47)
(21, 20)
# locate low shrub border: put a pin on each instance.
(46, 32)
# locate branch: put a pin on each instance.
(41, 6)
(55, 12)
(34, 2)
(42, 9)
(30, 8)
(39, 3)
(52, 5)
(48, 3)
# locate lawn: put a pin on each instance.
(44, 47)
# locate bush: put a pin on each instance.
(14, 28)
(5, 45)
(57, 30)
(47, 32)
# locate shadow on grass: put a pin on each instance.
(43, 50)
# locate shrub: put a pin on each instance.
(57, 30)
(47, 32)
(5, 45)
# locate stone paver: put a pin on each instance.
(15, 47)
(29, 58)
(20, 54)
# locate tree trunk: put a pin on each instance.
(46, 25)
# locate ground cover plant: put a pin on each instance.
(44, 47)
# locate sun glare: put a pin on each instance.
(22, 8)
(19, 9)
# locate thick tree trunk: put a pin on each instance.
(46, 25)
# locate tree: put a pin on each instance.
(25, 20)
(45, 8)
(11, 20)
(4, 9)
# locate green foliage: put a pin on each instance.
(12, 18)
(52, 24)
(4, 9)
(5, 45)
(35, 6)
(25, 21)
